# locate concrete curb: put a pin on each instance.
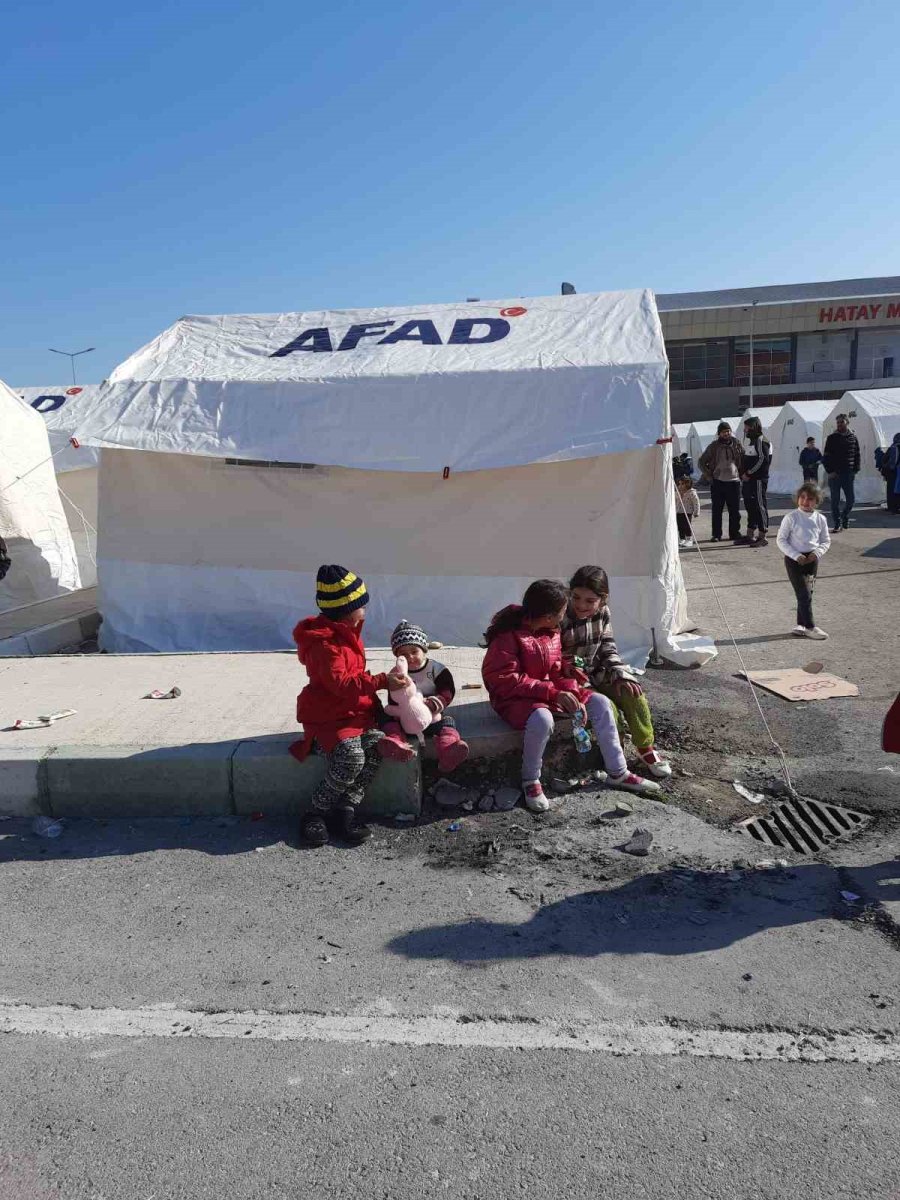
(199, 779)
(48, 639)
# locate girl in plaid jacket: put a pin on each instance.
(587, 634)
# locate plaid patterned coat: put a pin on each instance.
(593, 641)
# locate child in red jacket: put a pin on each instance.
(524, 676)
(338, 708)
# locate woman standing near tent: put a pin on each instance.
(523, 674)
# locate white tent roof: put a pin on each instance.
(60, 407)
(32, 520)
(880, 405)
(466, 386)
(767, 416)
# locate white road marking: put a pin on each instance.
(460, 1032)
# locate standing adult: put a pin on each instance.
(891, 472)
(841, 460)
(755, 481)
(722, 464)
(810, 457)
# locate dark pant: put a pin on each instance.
(803, 580)
(893, 496)
(755, 493)
(843, 479)
(351, 767)
(810, 474)
(684, 525)
(722, 495)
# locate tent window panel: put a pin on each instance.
(265, 462)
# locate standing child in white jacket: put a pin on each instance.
(803, 538)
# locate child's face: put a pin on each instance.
(415, 656)
(354, 619)
(586, 603)
(806, 503)
(549, 621)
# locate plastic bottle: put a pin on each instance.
(580, 734)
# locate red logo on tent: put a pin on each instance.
(513, 312)
(73, 391)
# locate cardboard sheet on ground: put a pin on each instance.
(793, 683)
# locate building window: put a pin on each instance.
(695, 365)
(771, 361)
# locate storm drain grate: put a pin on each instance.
(804, 825)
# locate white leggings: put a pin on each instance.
(602, 717)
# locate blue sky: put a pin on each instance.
(202, 158)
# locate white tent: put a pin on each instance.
(449, 454)
(680, 439)
(767, 416)
(76, 467)
(796, 421)
(874, 418)
(701, 433)
(32, 521)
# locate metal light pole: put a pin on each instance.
(752, 312)
(71, 355)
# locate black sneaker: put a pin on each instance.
(741, 540)
(313, 829)
(763, 541)
(715, 539)
(344, 824)
(837, 529)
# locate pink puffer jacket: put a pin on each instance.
(522, 671)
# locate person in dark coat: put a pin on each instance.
(810, 457)
(842, 463)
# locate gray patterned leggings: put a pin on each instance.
(351, 768)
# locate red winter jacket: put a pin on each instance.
(339, 702)
(522, 671)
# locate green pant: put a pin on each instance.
(636, 714)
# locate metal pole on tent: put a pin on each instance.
(71, 355)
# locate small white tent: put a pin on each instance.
(767, 417)
(449, 454)
(680, 439)
(702, 433)
(32, 521)
(796, 421)
(76, 467)
(874, 418)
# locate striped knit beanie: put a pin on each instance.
(408, 635)
(339, 591)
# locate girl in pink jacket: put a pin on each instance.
(524, 676)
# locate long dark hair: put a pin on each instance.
(543, 597)
(753, 428)
(593, 579)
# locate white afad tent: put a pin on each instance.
(76, 466)
(32, 521)
(874, 417)
(796, 421)
(701, 433)
(680, 439)
(449, 454)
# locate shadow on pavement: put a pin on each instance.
(668, 913)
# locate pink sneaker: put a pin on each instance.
(535, 800)
(655, 763)
(629, 782)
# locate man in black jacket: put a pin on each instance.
(842, 461)
(755, 481)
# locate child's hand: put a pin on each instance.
(395, 682)
(568, 702)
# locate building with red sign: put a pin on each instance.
(806, 341)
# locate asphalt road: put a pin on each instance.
(197, 1009)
